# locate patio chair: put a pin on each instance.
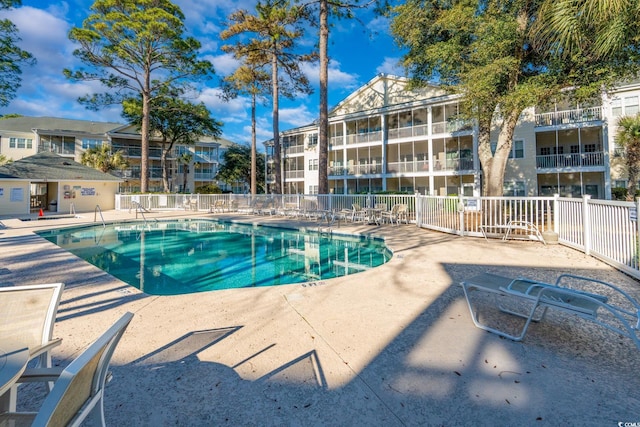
(391, 216)
(218, 206)
(403, 213)
(591, 299)
(357, 213)
(79, 388)
(27, 314)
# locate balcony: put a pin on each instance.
(577, 160)
(204, 176)
(293, 149)
(412, 166)
(336, 141)
(136, 151)
(364, 137)
(451, 126)
(294, 174)
(63, 150)
(580, 115)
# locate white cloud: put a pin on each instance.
(379, 25)
(391, 66)
(224, 64)
(336, 75)
(298, 116)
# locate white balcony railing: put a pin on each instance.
(577, 160)
(579, 115)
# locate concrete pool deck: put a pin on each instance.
(392, 346)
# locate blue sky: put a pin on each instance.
(358, 51)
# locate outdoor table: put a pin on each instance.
(14, 357)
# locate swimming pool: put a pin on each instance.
(188, 256)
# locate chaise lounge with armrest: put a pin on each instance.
(591, 299)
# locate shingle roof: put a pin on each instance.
(52, 124)
(52, 167)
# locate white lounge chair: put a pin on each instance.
(595, 300)
(79, 388)
(27, 314)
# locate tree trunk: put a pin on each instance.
(254, 159)
(493, 166)
(185, 177)
(323, 125)
(163, 166)
(144, 138)
(633, 169)
(277, 161)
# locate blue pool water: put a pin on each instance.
(187, 256)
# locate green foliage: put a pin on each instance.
(103, 159)
(484, 50)
(177, 121)
(269, 39)
(208, 189)
(12, 57)
(135, 48)
(620, 193)
(628, 137)
(4, 160)
(236, 166)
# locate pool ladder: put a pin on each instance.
(95, 215)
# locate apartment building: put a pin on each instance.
(384, 137)
(24, 136)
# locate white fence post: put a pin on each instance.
(461, 214)
(418, 207)
(556, 214)
(636, 253)
(586, 224)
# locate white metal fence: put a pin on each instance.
(605, 229)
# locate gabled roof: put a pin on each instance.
(51, 167)
(54, 124)
(384, 90)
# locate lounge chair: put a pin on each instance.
(591, 299)
(79, 388)
(27, 314)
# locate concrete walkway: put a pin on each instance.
(392, 346)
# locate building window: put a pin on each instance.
(631, 105)
(574, 149)
(590, 148)
(514, 189)
(91, 143)
(517, 149)
(616, 107)
(313, 140)
(20, 143)
(313, 189)
(313, 164)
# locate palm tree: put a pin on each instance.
(591, 29)
(185, 160)
(4, 159)
(102, 158)
(628, 137)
